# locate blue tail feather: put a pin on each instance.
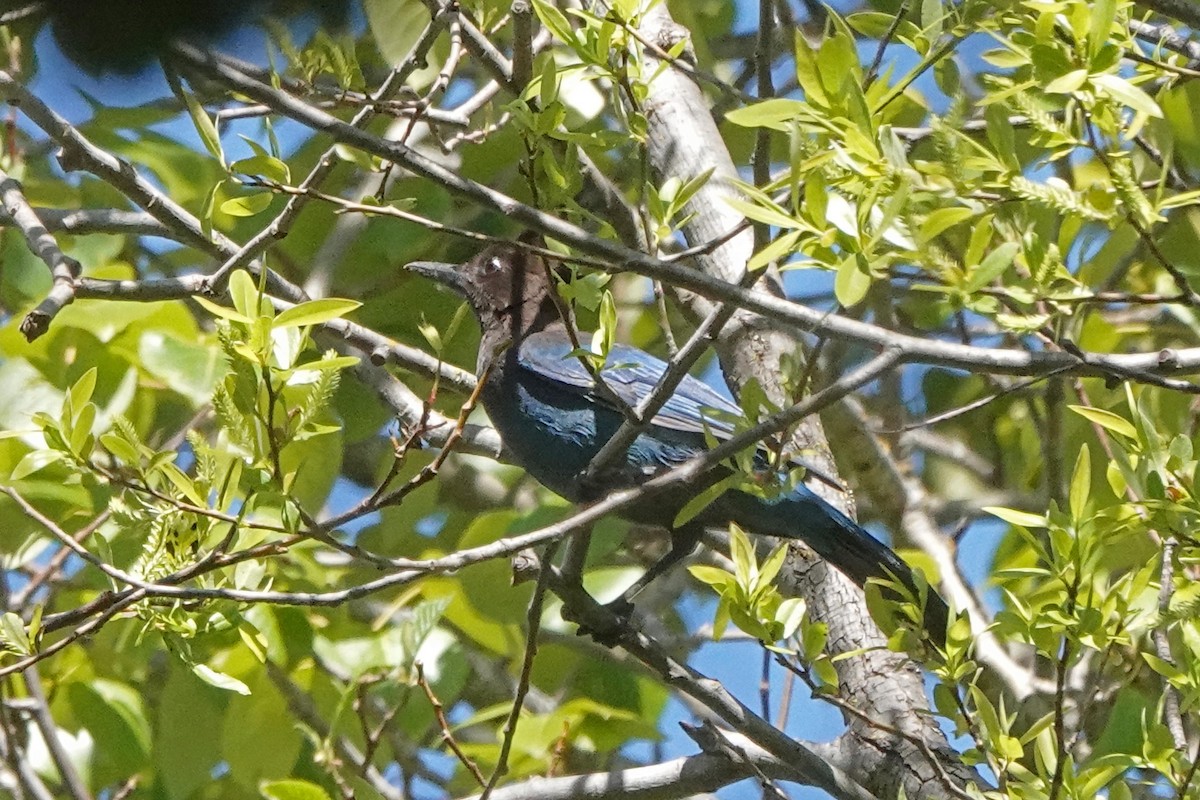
(802, 515)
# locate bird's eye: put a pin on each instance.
(492, 265)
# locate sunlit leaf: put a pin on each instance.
(1106, 420)
(315, 312)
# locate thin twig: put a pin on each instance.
(533, 625)
(40, 709)
(447, 737)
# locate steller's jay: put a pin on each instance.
(553, 420)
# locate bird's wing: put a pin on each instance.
(631, 374)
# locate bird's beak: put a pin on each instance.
(445, 274)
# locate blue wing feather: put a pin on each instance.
(631, 374)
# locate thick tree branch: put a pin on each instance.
(683, 142)
(670, 780)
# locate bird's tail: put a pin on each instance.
(802, 515)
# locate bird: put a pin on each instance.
(553, 417)
(123, 36)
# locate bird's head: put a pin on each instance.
(503, 281)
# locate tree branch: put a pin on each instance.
(63, 269)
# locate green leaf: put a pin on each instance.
(606, 331)
(693, 185)
(12, 631)
(770, 216)
(247, 205)
(1068, 83)
(1002, 136)
(1081, 483)
(326, 364)
(266, 166)
(808, 74)
(81, 431)
(943, 219)
(586, 290)
(364, 161)
(1101, 17)
(981, 237)
(35, 622)
(1014, 517)
(184, 761)
(702, 500)
(741, 553)
(838, 66)
(721, 619)
(1022, 323)
(116, 444)
(931, 18)
(790, 615)
(253, 638)
(853, 281)
(715, 577)
(992, 266)
(548, 86)
(315, 312)
(432, 336)
(826, 673)
(770, 567)
(209, 208)
(1107, 420)
(115, 713)
(82, 391)
(781, 248)
(776, 113)
(1165, 668)
(204, 126)
(185, 366)
(222, 311)
(1126, 93)
(1116, 478)
(554, 20)
(220, 679)
(32, 462)
(185, 485)
(292, 790)
(245, 295)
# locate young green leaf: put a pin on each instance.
(606, 331)
(1107, 420)
(292, 790)
(222, 311)
(247, 205)
(1127, 94)
(1081, 483)
(853, 280)
(245, 295)
(34, 461)
(776, 113)
(12, 632)
(315, 312)
(702, 500)
(219, 679)
(266, 166)
(1015, 517)
(741, 551)
(81, 391)
(204, 126)
(116, 444)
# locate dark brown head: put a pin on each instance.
(505, 285)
